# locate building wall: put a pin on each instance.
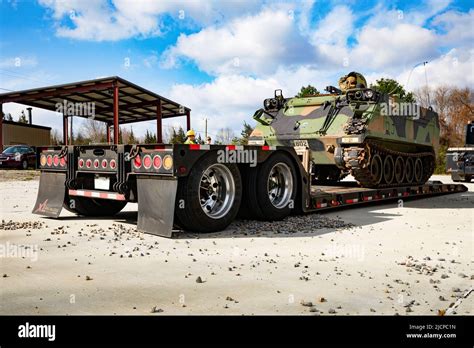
(16, 134)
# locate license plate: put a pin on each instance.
(102, 183)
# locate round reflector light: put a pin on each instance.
(56, 160)
(157, 162)
(62, 161)
(96, 163)
(88, 163)
(104, 163)
(168, 162)
(113, 164)
(50, 160)
(147, 161)
(43, 160)
(137, 162)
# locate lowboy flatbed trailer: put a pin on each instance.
(201, 188)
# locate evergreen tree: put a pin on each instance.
(391, 86)
(246, 131)
(307, 91)
(131, 137)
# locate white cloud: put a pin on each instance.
(330, 37)
(253, 44)
(101, 20)
(457, 27)
(456, 68)
(402, 45)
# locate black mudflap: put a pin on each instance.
(50, 194)
(156, 199)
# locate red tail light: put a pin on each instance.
(88, 163)
(56, 160)
(147, 161)
(50, 160)
(62, 161)
(137, 162)
(113, 164)
(104, 163)
(81, 163)
(96, 163)
(157, 162)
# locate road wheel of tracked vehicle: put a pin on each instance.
(93, 207)
(276, 187)
(388, 169)
(208, 199)
(399, 172)
(376, 169)
(418, 173)
(409, 170)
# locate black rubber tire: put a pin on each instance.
(250, 210)
(191, 217)
(24, 164)
(93, 207)
(268, 210)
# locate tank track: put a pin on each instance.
(357, 160)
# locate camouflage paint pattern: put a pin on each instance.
(299, 122)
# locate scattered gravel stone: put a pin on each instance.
(16, 225)
(290, 225)
(88, 278)
(155, 309)
(444, 276)
(199, 280)
(306, 304)
(331, 311)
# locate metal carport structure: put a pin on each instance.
(117, 101)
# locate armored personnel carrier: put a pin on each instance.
(377, 138)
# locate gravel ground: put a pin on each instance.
(18, 175)
(395, 260)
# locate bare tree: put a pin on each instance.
(225, 136)
(95, 130)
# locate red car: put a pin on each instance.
(18, 156)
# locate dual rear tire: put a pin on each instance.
(210, 197)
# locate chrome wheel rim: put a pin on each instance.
(280, 185)
(216, 191)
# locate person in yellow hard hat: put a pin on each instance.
(190, 137)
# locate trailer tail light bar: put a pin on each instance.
(154, 161)
(97, 160)
(53, 159)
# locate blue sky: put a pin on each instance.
(222, 58)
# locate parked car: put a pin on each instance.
(18, 156)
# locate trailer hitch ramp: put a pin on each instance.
(156, 201)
